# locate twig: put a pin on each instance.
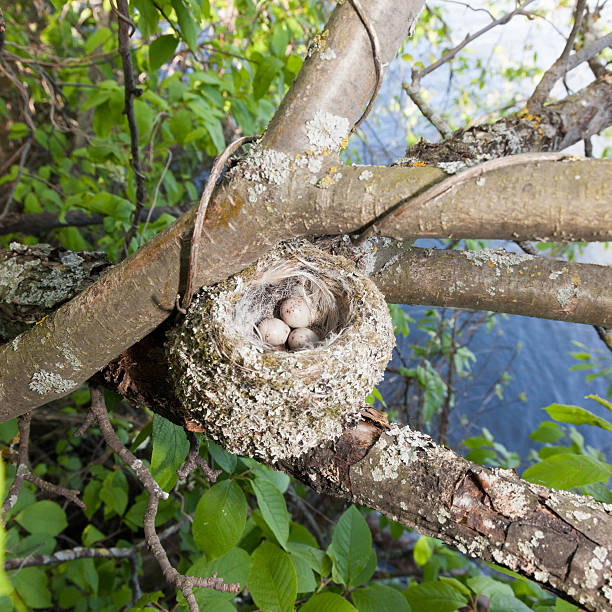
(414, 92)
(53, 489)
(378, 225)
(377, 60)
(561, 66)
(87, 423)
(23, 466)
(449, 55)
(150, 211)
(185, 583)
(215, 173)
(70, 554)
(194, 460)
(2, 31)
(126, 29)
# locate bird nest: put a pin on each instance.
(273, 402)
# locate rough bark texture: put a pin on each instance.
(557, 126)
(561, 540)
(35, 280)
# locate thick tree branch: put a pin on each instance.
(562, 200)
(556, 538)
(498, 280)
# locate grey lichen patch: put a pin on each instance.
(499, 259)
(274, 404)
(566, 295)
(366, 175)
(327, 131)
(328, 54)
(397, 447)
(255, 191)
(452, 167)
(44, 382)
(557, 274)
(266, 165)
(73, 361)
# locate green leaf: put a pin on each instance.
(327, 602)
(351, 546)
(170, 447)
(279, 479)
(314, 557)
(272, 581)
(422, 551)
(268, 67)
(567, 471)
(273, 508)
(189, 28)
(576, 416)
(220, 518)
(114, 493)
(225, 460)
(36, 544)
(91, 535)
(379, 598)
(504, 602)
(31, 584)
(45, 517)
(306, 582)
(434, 596)
(161, 50)
(598, 492)
(547, 432)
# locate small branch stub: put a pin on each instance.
(277, 402)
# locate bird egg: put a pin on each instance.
(273, 331)
(302, 337)
(294, 311)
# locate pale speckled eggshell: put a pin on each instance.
(295, 313)
(274, 331)
(302, 337)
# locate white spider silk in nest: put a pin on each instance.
(274, 404)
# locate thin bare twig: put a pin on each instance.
(561, 66)
(150, 212)
(414, 92)
(449, 55)
(185, 583)
(126, 29)
(194, 460)
(53, 489)
(23, 466)
(377, 59)
(215, 173)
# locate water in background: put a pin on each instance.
(541, 369)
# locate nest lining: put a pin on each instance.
(268, 403)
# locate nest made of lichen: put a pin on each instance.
(271, 403)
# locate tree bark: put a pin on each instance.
(560, 540)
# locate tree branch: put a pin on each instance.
(125, 29)
(498, 281)
(40, 224)
(485, 513)
(184, 583)
(543, 200)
